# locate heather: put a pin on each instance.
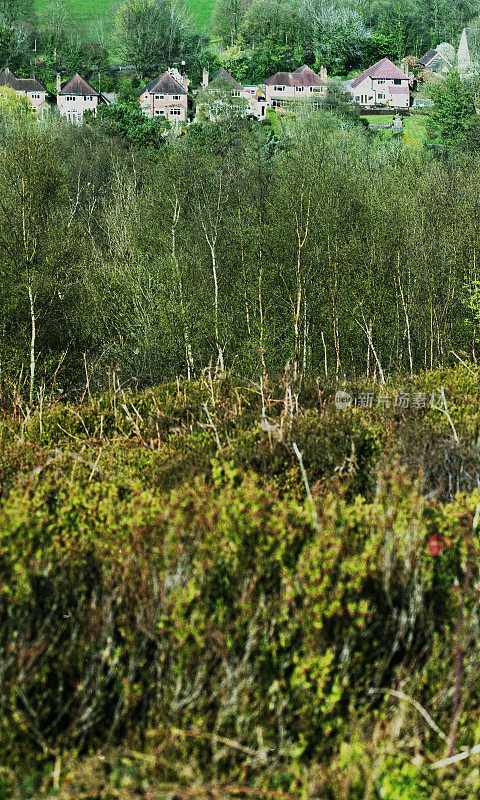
(229, 587)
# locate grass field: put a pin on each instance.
(201, 11)
(414, 128)
(90, 13)
(378, 119)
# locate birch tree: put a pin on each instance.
(29, 210)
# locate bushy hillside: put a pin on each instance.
(189, 605)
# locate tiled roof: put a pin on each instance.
(383, 69)
(164, 84)
(398, 89)
(7, 78)
(425, 59)
(78, 86)
(223, 78)
(303, 76)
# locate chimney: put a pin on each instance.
(205, 78)
(59, 82)
(404, 66)
(323, 73)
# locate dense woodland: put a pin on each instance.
(321, 246)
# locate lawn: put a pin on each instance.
(90, 12)
(414, 128)
(378, 119)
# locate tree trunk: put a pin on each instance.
(32, 344)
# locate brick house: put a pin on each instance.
(166, 96)
(382, 84)
(303, 84)
(31, 88)
(76, 96)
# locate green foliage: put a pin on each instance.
(162, 597)
(154, 33)
(127, 121)
(453, 122)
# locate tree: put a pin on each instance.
(226, 18)
(154, 33)
(454, 124)
(128, 121)
(41, 238)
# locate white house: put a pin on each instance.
(303, 84)
(75, 96)
(382, 84)
(31, 88)
(166, 96)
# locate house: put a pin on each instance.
(76, 96)
(382, 84)
(284, 87)
(443, 59)
(31, 88)
(439, 60)
(166, 96)
(229, 96)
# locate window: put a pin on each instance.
(175, 112)
(381, 96)
(299, 88)
(176, 97)
(279, 88)
(235, 92)
(381, 80)
(87, 97)
(35, 97)
(159, 112)
(69, 98)
(397, 82)
(159, 97)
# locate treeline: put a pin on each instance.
(267, 35)
(320, 247)
(252, 38)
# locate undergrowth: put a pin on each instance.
(222, 587)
